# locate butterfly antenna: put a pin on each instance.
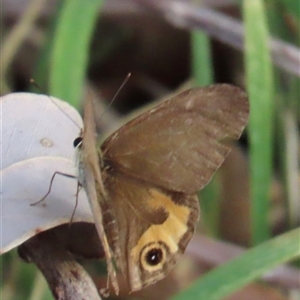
(118, 91)
(33, 82)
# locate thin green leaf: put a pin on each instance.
(41, 71)
(235, 274)
(201, 58)
(282, 15)
(259, 75)
(202, 68)
(210, 206)
(71, 48)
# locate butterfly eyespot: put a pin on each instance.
(154, 256)
(77, 142)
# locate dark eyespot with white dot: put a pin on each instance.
(154, 256)
(77, 142)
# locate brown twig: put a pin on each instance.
(66, 278)
(19, 33)
(220, 26)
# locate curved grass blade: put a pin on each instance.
(235, 274)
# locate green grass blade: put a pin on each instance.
(71, 48)
(259, 75)
(202, 70)
(283, 22)
(202, 66)
(235, 274)
(41, 69)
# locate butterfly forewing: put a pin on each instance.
(179, 144)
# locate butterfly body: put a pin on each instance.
(142, 182)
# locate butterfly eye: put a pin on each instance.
(154, 256)
(77, 142)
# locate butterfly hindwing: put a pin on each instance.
(151, 221)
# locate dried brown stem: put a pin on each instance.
(19, 33)
(66, 278)
(221, 27)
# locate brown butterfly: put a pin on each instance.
(142, 181)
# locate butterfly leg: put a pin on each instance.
(50, 186)
(79, 186)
